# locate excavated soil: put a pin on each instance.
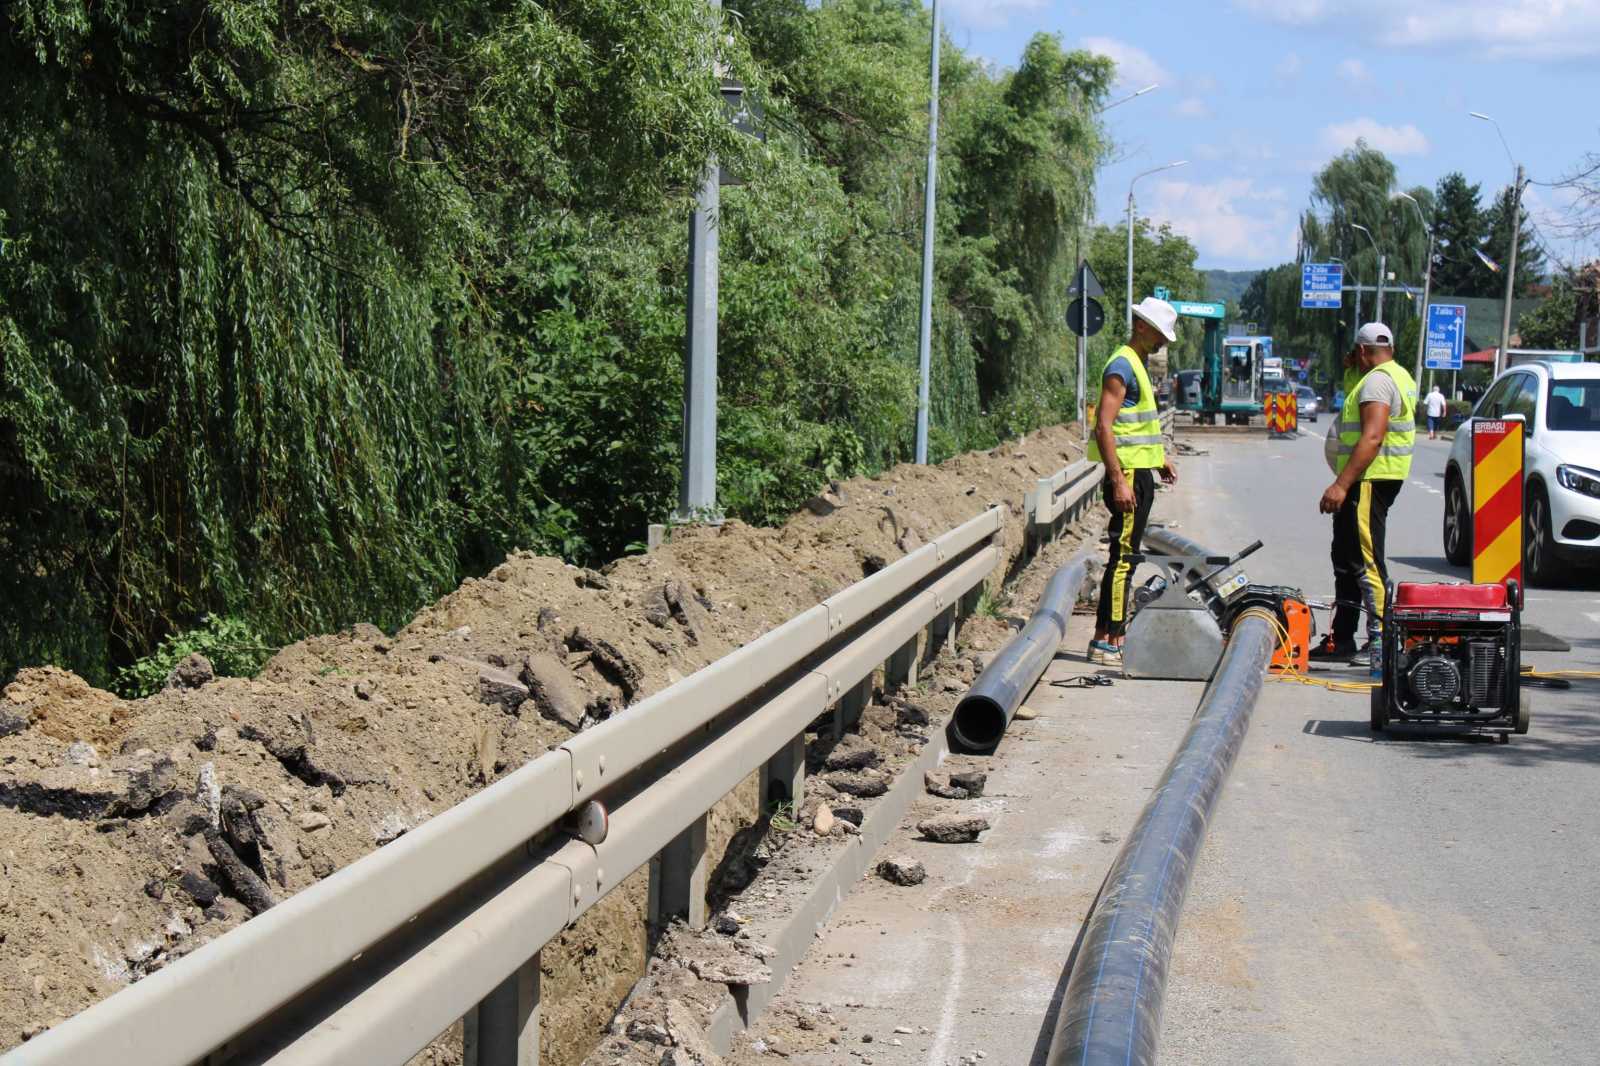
(131, 832)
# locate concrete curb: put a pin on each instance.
(793, 935)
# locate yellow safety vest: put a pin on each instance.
(1393, 461)
(1138, 428)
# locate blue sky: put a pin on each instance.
(1258, 94)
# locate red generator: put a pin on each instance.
(1452, 656)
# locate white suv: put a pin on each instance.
(1560, 404)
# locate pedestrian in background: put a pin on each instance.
(1377, 434)
(1127, 439)
(1436, 409)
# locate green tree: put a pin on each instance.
(1160, 257)
(1554, 323)
(1497, 245)
(1460, 222)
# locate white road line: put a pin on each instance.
(938, 1053)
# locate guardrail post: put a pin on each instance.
(1044, 498)
(683, 875)
(847, 712)
(503, 1030)
(786, 770)
(942, 630)
(901, 669)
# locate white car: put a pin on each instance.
(1560, 404)
(1307, 402)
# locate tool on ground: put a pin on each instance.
(1289, 607)
(1452, 656)
(1084, 681)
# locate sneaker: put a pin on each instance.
(1101, 651)
(1330, 650)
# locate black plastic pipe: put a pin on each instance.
(1111, 1011)
(984, 712)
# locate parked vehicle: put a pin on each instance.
(1560, 405)
(1307, 402)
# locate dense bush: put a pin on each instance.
(307, 310)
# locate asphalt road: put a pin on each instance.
(1361, 900)
(1425, 900)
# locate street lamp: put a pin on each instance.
(1136, 177)
(1382, 261)
(1516, 238)
(1130, 96)
(1427, 279)
(925, 321)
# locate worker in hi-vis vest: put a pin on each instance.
(1377, 432)
(1127, 439)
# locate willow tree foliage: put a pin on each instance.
(309, 309)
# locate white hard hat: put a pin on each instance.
(1159, 314)
(1375, 335)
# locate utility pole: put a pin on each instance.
(925, 326)
(1511, 273)
(697, 489)
(1382, 267)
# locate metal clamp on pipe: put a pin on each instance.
(986, 710)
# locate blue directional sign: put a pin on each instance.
(1320, 285)
(1447, 333)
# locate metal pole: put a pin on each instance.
(925, 328)
(1128, 306)
(1427, 287)
(1511, 273)
(1382, 263)
(697, 490)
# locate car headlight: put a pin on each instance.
(1579, 479)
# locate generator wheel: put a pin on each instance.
(1524, 714)
(1380, 710)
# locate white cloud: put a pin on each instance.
(1135, 67)
(1354, 72)
(1289, 66)
(1390, 140)
(1192, 107)
(1513, 29)
(1232, 220)
(990, 14)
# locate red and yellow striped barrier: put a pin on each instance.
(1282, 410)
(1496, 500)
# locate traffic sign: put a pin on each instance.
(1163, 293)
(1084, 283)
(1085, 317)
(1320, 285)
(1447, 331)
(1497, 533)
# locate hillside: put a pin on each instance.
(1227, 285)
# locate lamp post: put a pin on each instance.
(1382, 261)
(1083, 342)
(1128, 325)
(925, 324)
(1516, 239)
(1427, 280)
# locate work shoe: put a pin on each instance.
(1104, 653)
(1330, 650)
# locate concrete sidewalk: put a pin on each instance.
(972, 959)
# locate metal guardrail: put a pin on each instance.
(1061, 498)
(447, 922)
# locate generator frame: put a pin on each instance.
(1392, 704)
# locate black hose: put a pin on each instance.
(984, 712)
(1111, 1011)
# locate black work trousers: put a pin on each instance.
(1360, 574)
(1126, 533)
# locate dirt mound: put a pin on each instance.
(137, 830)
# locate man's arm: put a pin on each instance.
(1113, 390)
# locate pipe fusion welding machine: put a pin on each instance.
(1181, 616)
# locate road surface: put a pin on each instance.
(1358, 900)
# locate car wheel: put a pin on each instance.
(1539, 557)
(1457, 523)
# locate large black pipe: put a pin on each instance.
(983, 713)
(1111, 1011)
